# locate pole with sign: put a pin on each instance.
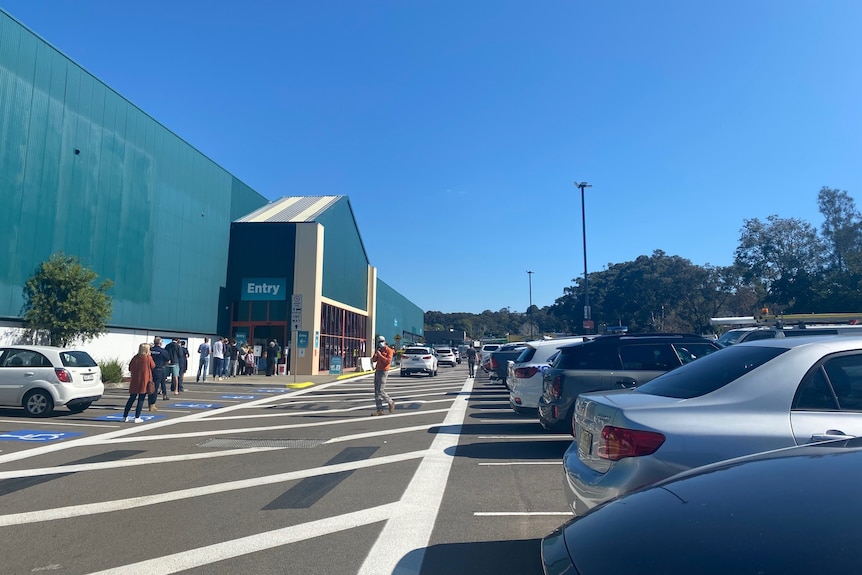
(296, 325)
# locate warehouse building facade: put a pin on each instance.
(85, 172)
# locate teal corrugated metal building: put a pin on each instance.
(189, 247)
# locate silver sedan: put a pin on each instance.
(744, 399)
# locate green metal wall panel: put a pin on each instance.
(396, 314)
(343, 257)
(84, 171)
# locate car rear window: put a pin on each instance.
(586, 356)
(711, 372)
(526, 355)
(416, 351)
(77, 359)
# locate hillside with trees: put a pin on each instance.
(784, 264)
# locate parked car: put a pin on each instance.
(743, 334)
(418, 360)
(445, 356)
(485, 353)
(498, 364)
(790, 511)
(39, 378)
(526, 372)
(611, 362)
(746, 398)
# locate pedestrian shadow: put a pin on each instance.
(520, 557)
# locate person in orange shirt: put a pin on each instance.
(382, 358)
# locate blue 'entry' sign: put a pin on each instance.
(36, 435)
(237, 397)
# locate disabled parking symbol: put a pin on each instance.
(237, 396)
(119, 417)
(36, 435)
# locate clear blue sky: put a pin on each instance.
(458, 127)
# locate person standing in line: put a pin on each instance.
(204, 350)
(228, 352)
(174, 353)
(184, 366)
(271, 358)
(382, 358)
(141, 370)
(234, 359)
(218, 357)
(250, 361)
(471, 360)
(161, 359)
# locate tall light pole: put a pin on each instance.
(587, 315)
(530, 309)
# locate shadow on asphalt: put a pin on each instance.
(502, 428)
(522, 557)
(515, 450)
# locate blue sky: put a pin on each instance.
(457, 128)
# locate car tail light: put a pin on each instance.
(518, 400)
(426, 357)
(63, 375)
(493, 363)
(556, 386)
(618, 443)
(526, 372)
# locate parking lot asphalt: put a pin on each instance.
(288, 381)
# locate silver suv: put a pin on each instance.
(38, 378)
(611, 362)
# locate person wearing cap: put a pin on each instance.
(382, 358)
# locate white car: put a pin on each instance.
(39, 378)
(445, 356)
(526, 373)
(418, 360)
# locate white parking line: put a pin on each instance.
(82, 467)
(400, 547)
(87, 509)
(209, 554)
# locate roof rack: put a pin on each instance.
(790, 319)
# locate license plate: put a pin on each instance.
(88, 377)
(585, 441)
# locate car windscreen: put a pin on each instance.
(730, 337)
(77, 359)
(711, 372)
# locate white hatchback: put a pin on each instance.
(418, 360)
(38, 378)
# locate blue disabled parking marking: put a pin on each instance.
(35, 435)
(190, 405)
(237, 397)
(272, 390)
(119, 417)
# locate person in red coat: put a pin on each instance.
(141, 369)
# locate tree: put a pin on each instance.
(785, 256)
(61, 300)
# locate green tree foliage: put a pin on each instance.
(61, 301)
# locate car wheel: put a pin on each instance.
(403, 373)
(38, 403)
(79, 407)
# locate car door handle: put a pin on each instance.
(627, 384)
(829, 435)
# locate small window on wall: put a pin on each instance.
(258, 310)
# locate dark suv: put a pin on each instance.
(611, 362)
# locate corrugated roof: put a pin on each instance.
(293, 209)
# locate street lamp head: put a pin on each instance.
(582, 185)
